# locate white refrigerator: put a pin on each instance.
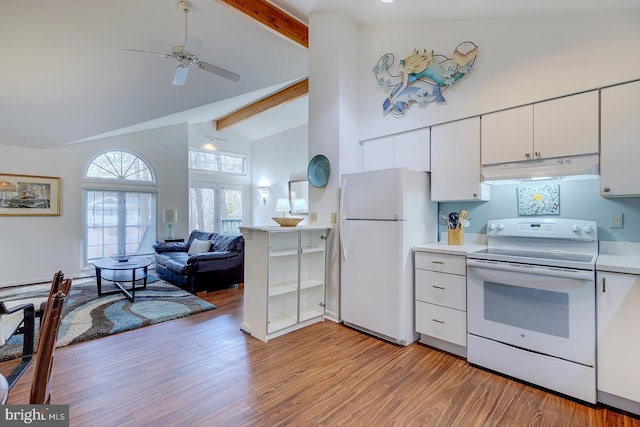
(382, 215)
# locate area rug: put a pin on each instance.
(87, 316)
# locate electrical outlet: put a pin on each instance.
(616, 219)
(313, 216)
(334, 217)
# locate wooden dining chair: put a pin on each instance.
(18, 317)
(41, 385)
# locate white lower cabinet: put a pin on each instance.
(441, 301)
(284, 279)
(618, 344)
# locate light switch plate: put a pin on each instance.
(313, 216)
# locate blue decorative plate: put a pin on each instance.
(319, 171)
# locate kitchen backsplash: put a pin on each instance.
(579, 199)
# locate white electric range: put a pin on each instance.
(531, 303)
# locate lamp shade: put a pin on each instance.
(170, 215)
(283, 205)
(300, 205)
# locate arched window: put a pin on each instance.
(119, 165)
(120, 205)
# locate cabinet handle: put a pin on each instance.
(438, 287)
(537, 153)
(323, 237)
(475, 195)
(438, 321)
(606, 189)
(437, 262)
(604, 286)
(527, 155)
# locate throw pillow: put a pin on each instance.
(199, 246)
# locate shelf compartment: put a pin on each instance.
(312, 249)
(283, 252)
(282, 322)
(282, 288)
(310, 313)
(310, 283)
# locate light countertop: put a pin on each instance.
(444, 248)
(619, 257)
(629, 264)
(279, 228)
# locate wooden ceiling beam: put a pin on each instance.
(288, 94)
(274, 18)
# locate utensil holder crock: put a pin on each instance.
(455, 236)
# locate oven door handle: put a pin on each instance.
(532, 269)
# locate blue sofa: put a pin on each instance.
(221, 266)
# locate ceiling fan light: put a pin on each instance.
(181, 75)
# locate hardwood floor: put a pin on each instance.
(203, 371)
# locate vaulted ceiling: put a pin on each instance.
(66, 77)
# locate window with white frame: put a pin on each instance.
(215, 161)
(120, 205)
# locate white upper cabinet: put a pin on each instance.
(507, 136)
(408, 149)
(620, 145)
(557, 128)
(412, 150)
(566, 126)
(377, 154)
(455, 165)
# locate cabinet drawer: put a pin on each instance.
(444, 263)
(449, 290)
(444, 323)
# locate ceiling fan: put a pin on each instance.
(186, 54)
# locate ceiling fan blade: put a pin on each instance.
(181, 75)
(219, 71)
(166, 55)
(192, 45)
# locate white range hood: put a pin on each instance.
(540, 169)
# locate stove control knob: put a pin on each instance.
(576, 228)
(501, 226)
(587, 229)
(492, 227)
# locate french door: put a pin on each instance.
(216, 207)
(119, 222)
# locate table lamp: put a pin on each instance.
(170, 216)
(283, 205)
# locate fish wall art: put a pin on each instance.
(421, 77)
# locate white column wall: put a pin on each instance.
(332, 125)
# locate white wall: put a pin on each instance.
(520, 60)
(33, 248)
(274, 160)
(333, 112)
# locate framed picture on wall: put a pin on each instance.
(29, 195)
(539, 200)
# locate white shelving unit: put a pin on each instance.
(284, 279)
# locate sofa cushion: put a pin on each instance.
(178, 266)
(200, 235)
(198, 246)
(170, 247)
(227, 243)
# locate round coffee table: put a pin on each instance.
(119, 273)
